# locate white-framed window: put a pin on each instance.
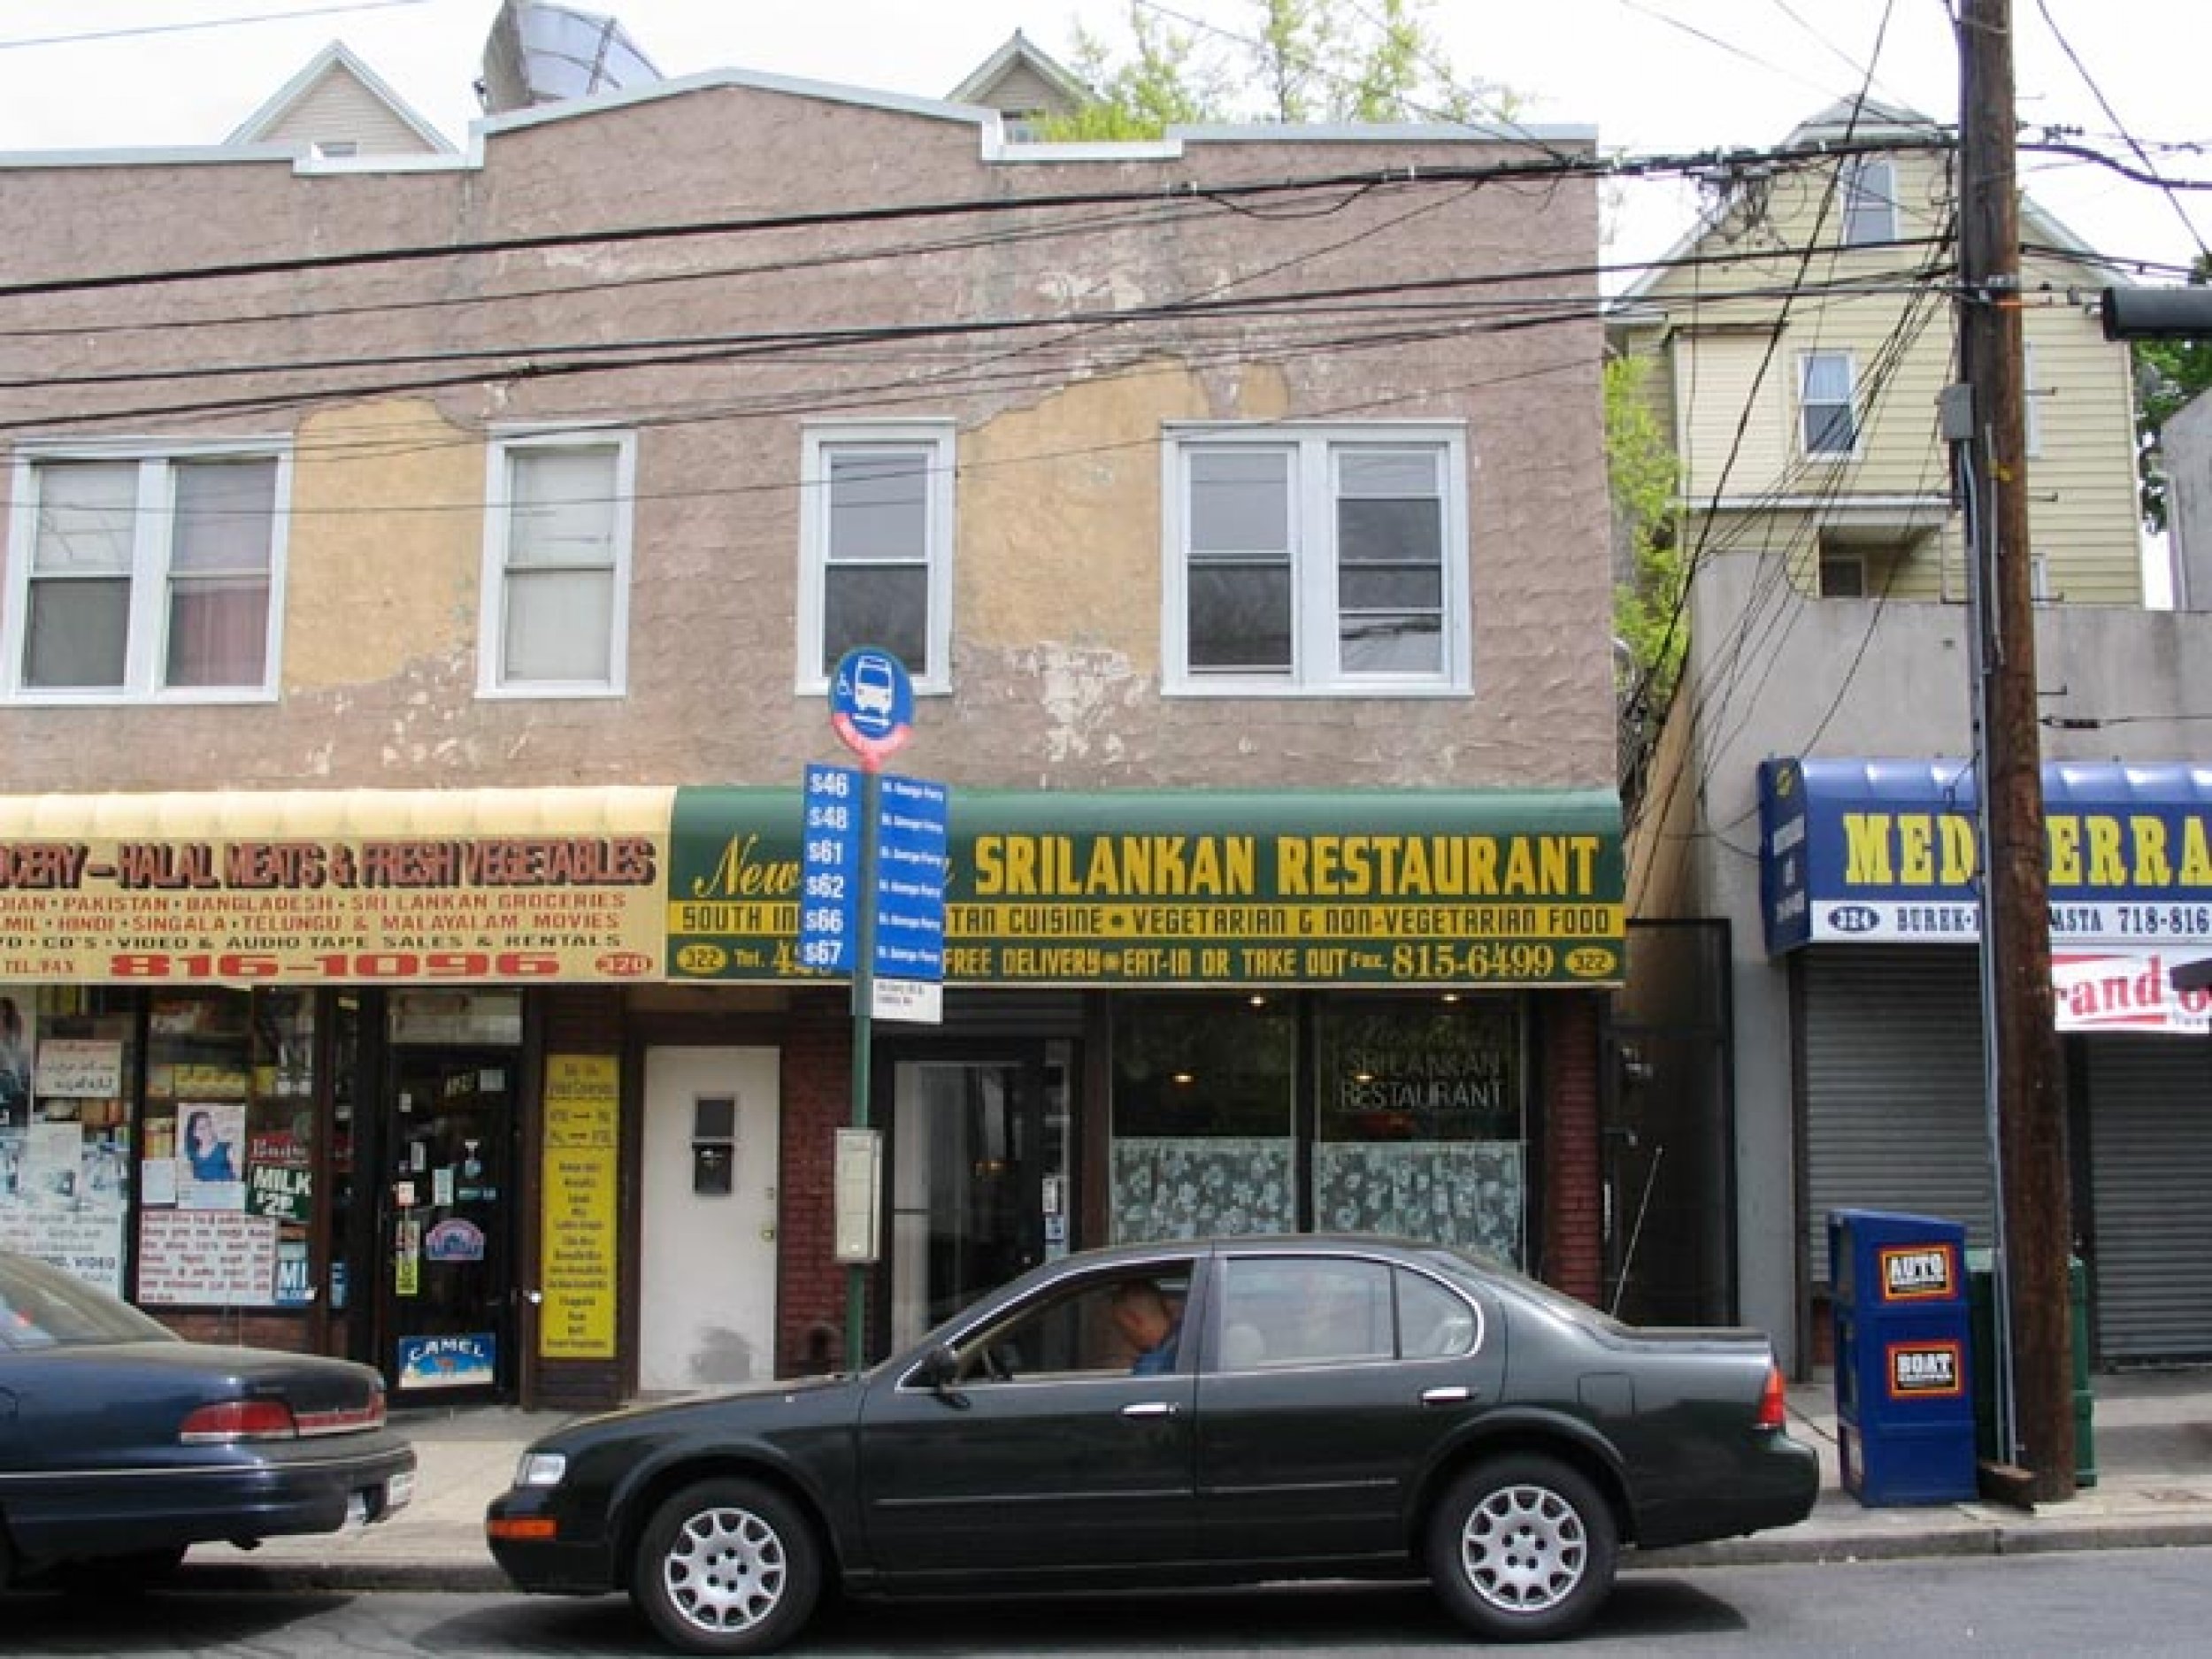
(875, 548)
(555, 613)
(1869, 201)
(144, 573)
(1326, 558)
(1827, 404)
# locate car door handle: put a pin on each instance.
(1149, 1408)
(1454, 1396)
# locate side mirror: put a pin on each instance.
(940, 1367)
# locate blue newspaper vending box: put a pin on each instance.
(1904, 1405)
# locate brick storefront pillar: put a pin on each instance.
(1574, 1204)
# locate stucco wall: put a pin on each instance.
(710, 348)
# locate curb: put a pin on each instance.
(1823, 1547)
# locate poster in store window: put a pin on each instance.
(210, 1136)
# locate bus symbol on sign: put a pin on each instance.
(872, 703)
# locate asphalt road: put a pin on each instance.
(2111, 1602)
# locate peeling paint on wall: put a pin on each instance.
(386, 548)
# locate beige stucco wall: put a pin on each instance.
(1048, 339)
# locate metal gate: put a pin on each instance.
(1894, 1109)
(2149, 1237)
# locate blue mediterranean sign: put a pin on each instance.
(1884, 852)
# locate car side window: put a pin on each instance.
(1280, 1311)
(1101, 1327)
(1432, 1323)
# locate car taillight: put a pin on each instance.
(1773, 1400)
(239, 1420)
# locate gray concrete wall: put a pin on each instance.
(2186, 443)
(1840, 678)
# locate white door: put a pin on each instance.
(708, 1274)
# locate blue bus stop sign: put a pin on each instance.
(872, 703)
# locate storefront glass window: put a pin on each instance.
(1420, 1113)
(225, 1172)
(1205, 1088)
(65, 1132)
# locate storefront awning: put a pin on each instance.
(1883, 851)
(314, 887)
(1199, 887)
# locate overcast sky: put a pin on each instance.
(1653, 76)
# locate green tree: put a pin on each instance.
(1645, 480)
(1301, 61)
(2167, 375)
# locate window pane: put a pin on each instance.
(1869, 201)
(1827, 377)
(224, 511)
(560, 626)
(77, 633)
(218, 632)
(879, 506)
(1371, 530)
(1310, 1312)
(880, 606)
(1432, 1322)
(1240, 616)
(1829, 429)
(563, 512)
(1240, 501)
(88, 513)
(1391, 645)
(1387, 473)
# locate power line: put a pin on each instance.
(140, 30)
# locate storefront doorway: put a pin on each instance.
(445, 1292)
(707, 1272)
(979, 1178)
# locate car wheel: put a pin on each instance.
(1522, 1548)
(727, 1567)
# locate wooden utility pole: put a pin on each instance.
(2015, 930)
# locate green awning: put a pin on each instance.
(1198, 888)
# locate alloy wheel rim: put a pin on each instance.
(1523, 1549)
(726, 1570)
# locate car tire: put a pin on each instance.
(727, 1567)
(1522, 1548)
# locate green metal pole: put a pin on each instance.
(864, 1041)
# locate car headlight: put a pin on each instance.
(541, 1469)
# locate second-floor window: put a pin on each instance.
(147, 576)
(1827, 404)
(1869, 201)
(1317, 559)
(557, 565)
(876, 547)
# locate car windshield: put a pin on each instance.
(42, 1306)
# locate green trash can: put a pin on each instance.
(1981, 1278)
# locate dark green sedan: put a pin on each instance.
(1223, 1410)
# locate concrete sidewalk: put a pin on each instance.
(2151, 1440)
